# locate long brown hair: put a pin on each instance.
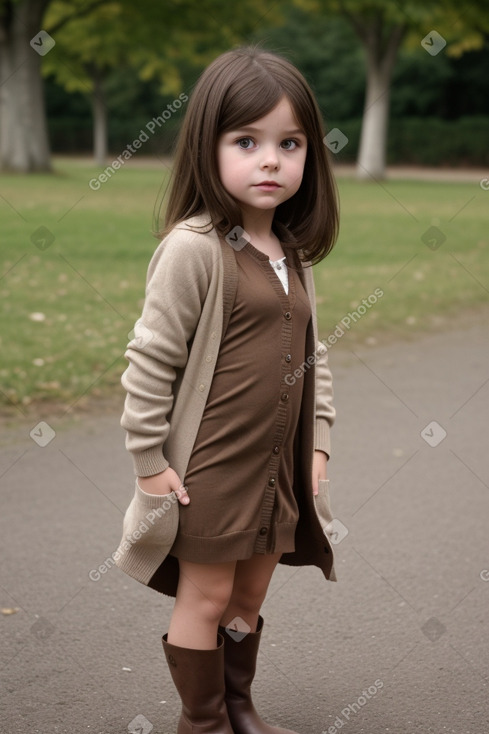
(236, 89)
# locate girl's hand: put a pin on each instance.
(319, 469)
(164, 483)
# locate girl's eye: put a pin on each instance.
(289, 144)
(245, 143)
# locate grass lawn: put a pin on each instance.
(69, 304)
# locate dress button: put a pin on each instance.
(288, 358)
(276, 449)
(288, 315)
(284, 396)
(271, 482)
(263, 530)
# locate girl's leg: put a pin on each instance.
(251, 580)
(194, 650)
(203, 594)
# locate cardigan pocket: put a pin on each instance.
(149, 530)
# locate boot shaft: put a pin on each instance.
(198, 676)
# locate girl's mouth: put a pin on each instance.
(268, 185)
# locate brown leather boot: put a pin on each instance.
(198, 676)
(239, 671)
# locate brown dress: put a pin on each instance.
(242, 462)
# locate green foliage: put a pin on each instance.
(433, 142)
(170, 48)
(68, 308)
(156, 39)
(426, 141)
(327, 53)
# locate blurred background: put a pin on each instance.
(92, 97)
(92, 94)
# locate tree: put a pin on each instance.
(86, 52)
(23, 132)
(381, 39)
(153, 37)
(382, 27)
(24, 142)
(156, 40)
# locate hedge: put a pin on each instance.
(416, 140)
(428, 141)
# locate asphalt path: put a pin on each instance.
(398, 645)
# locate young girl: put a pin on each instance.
(228, 403)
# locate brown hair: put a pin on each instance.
(236, 89)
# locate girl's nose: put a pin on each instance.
(269, 159)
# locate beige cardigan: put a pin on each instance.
(171, 364)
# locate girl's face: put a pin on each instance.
(261, 164)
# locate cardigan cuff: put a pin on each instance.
(322, 440)
(147, 463)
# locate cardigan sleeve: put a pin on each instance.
(177, 283)
(325, 411)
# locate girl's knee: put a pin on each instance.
(208, 597)
(249, 596)
(251, 583)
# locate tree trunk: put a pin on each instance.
(24, 145)
(99, 111)
(381, 58)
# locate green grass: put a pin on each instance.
(88, 285)
(380, 246)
